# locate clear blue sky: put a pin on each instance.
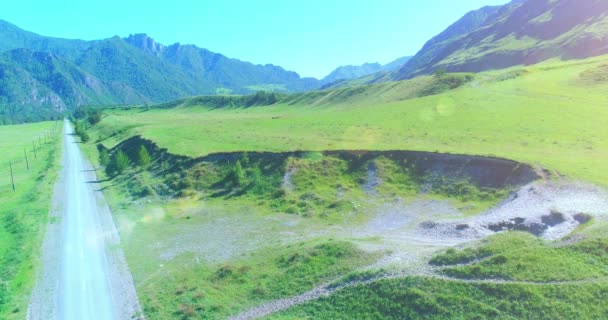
(311, 37)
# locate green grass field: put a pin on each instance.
(23, 214)
(552, 114)
(214, 291)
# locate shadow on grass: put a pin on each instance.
(104, 188)
(97, 181)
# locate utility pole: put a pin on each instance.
(10, 164)
(34, 145)
(27, 163)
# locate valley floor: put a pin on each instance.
(211, 231)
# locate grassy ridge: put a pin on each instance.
(523, 257)
(549, 114)
(23, 213)
(581, 267)
(421, 298)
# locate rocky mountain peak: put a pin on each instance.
(146, 43)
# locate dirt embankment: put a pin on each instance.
(429, 167)
(435, 168)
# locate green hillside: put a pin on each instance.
(13, 37)
(551, 114)
(118, 63)
(38, 86)
(521, 32)
(62, 74)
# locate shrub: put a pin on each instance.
(84, 137)
(452, 257)
(224, 271)
(446, 81)
(439, 73)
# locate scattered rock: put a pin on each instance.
(518, 220)
(373, 181)
(519, 224)
(553, 219)
(534, 228)
(461, 227)
(501, 226)
(582, 218)
(287, 184)
(428, 225)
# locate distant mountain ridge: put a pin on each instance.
(520, 32)
(352, 72)
(65, 73)
(41, 75)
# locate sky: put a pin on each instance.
(311, 37)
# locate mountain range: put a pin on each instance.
(521, 32)
(353, 72)
(51, 74)
(40, 76)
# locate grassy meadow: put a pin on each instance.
(552, 114)
(23, 214)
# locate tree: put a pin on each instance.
(239, 176)
(245, 160)
(143, 157)
(260, 184)
(439, 73)
(94, 117)
(84, 137)
(81, 131)
(104, 157)
(121, 162)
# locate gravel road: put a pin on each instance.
(84, 273)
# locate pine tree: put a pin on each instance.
(144, 159)
(121, 162)
(239, 176)
(245, 160)
(104, 157)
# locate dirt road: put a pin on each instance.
(84, 273)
